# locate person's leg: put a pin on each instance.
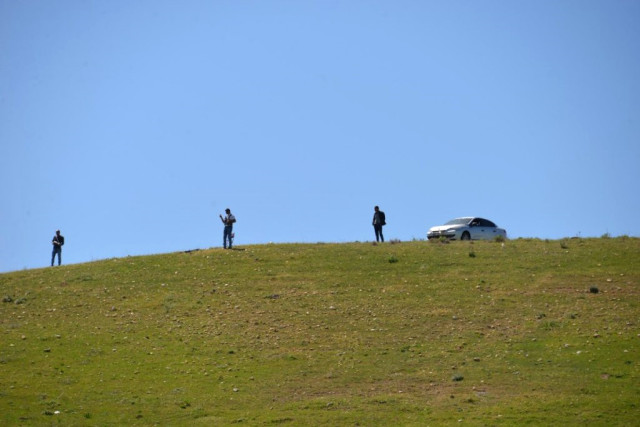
(56, 251)
(230, 237)
(226, 237)
(377, 230)
(381, 235)
(59, 256)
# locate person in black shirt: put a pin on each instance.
(378, 222)
(58, 241)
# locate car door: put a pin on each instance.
(475, 229)
(487, 229)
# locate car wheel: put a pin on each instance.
(465, 236)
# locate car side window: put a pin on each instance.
(487, 223)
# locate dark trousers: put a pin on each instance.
(56, 250)
(226, 236)
(378, 229)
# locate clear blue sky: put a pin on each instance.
(131, 125)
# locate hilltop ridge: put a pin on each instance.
(411, 333)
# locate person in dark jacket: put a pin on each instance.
(58, 241)
(378, 222)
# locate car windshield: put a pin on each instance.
(458, 221)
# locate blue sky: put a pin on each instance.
(130, 126)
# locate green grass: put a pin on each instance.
(412, 333)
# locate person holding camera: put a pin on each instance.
(228, 221)
(58, 241)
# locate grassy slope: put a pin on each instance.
(485, 333)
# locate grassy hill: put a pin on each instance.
(413, 333)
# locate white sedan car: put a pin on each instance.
(467, 228)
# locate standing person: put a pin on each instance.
(228, 221)
(58, 241)
(378, 222)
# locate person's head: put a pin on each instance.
(228, 210)
(57, 232)
(376, 209)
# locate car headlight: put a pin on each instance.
(451, 231)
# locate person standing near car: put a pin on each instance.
(57, 242)
(378, 222)
(228, 221)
